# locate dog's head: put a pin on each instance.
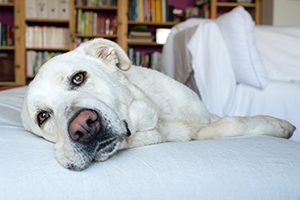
(78, 101)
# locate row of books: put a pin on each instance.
(150, 10)
(145, 59)
(93, 23)
(35, 59)
(47, 37)
(6, 35)
(44, 9)
(96, 2)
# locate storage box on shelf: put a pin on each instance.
(11, 70)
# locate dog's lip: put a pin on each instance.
(108, 145)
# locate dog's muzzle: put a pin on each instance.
(84, 126)
(93, 137)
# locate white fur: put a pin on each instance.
(156, 107)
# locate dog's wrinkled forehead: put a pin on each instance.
(95, 55)
(62, 65)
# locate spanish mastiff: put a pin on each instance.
(91, 103)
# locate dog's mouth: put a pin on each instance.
(93, 137)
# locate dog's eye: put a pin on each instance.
(78, 78)
(42, 117)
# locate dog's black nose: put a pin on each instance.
(84, 126)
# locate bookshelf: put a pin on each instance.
(254, 7)
(117, 11)
(11, 67)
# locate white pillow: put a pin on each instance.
(237, 29)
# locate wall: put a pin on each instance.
(281, 12)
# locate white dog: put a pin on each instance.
(92, 103)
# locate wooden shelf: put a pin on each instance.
(95, 36)
(234, 4)
(144, 44)
(46, 49)
(108, 8)
(7, 48)
(165, 24)
(7, 83)
(6, 4)
(48, 21)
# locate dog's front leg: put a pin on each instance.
(142, 123)
(144, 138)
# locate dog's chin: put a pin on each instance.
(83, 159)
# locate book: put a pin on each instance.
(52, 8)
(41, 9)
(163, 10)
(140, 39)
(140, 10)
(63, 9)
(30, 9)
(136, 33)
(158, 11)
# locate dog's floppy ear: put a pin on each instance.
(106, 50)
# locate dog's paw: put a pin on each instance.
(288, 129)
(281, 128)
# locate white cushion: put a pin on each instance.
(237, 29)
(279, 48)
(235, 168)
